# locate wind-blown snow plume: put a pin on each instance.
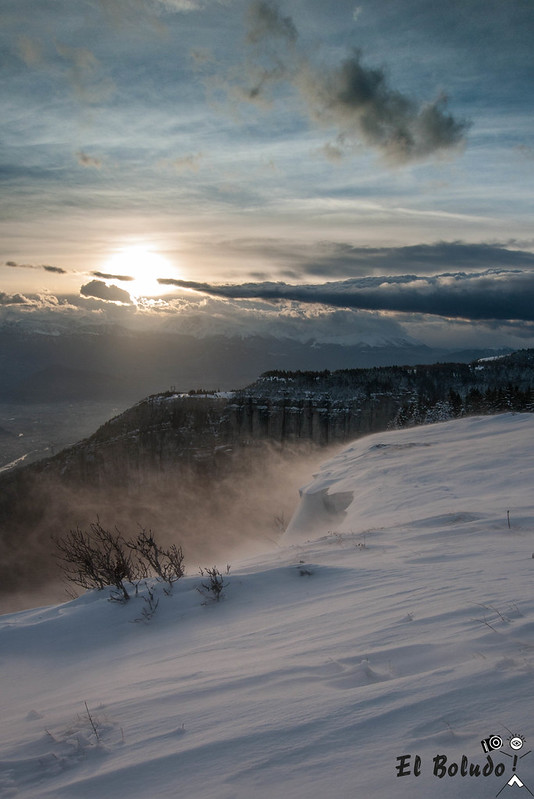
(242, 510)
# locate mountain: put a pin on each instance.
(385, 652)
(124, 364)
(283, 407)
(147, 465)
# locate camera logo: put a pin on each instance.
(491, 743)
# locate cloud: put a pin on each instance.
(130, 11)
(202, 316)
(188, 162)
(181, 5)
(88, 161)
(337, 258)
(101, 291)
(106, 276)
(13, 299)
(87, 76)
(185, 163)
(55, 269)
(129, 6)
(294, 259)
(264, 19)
(359, 102)
(30, 51)
(355, 100)
(492, 294)
(36, 302)
(15, 265)
(58, 270)
(525, 151)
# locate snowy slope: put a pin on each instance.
(400, 622)
(474, 465)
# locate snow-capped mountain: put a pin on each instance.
(187, 353)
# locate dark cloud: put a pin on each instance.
(360, 103)
(106, 276)
(335, 258)
(338, 259)
(58, 270)
(15, 265)
(355, 99)
(200, 315)
(101, 291)
(492, 294)
(265, 19)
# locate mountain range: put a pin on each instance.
(52, 364)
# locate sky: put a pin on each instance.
(239, 165)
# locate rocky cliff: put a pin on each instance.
(173, 459)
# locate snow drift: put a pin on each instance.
(479, 464)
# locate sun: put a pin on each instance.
(137, 269)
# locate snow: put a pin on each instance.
(492, 358)
(400, 622)
(415, 473)
(14, 463)
(189, 395)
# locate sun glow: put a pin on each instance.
(136, 269)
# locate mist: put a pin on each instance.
(237, 509)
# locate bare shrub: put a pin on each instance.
(92, 722)
(213, 588)
(166, 564)
(151, 605)
(99, 558)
